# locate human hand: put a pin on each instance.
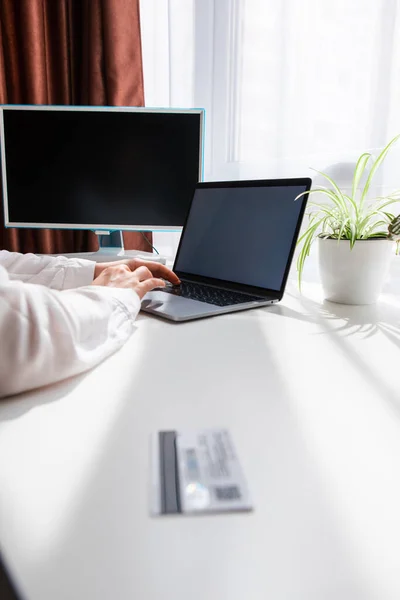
(156, 269)
(140, 280)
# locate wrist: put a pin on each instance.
(99, 267)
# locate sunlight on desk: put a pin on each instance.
(347, 408)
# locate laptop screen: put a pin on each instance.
(241, 234)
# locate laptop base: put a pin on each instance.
(179, 309)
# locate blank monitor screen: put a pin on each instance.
(243, 233)
(94, 168)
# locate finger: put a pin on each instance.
(143, 273)
(159, 270)
(147, 285)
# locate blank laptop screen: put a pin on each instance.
(241, 234)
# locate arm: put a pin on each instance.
(57, 272)
(48, 335)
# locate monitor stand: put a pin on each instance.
(111, 248)
(111, 242)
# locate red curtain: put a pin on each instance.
(69, 52)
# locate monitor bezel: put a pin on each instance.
(100, 227)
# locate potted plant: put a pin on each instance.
(356, 236)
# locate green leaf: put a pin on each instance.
(378, 224)
(367, 218)
(375, 166)
(352, 202)
(358, 171)
(311, 227)
(381, 213)
(394, 194)
(335, 187)
(352, 235)
(394, 226)
(308, 238)
(379, 234)
(342, 228)
(328, 210)
(365, 221)
(380, 206)
(322, 190)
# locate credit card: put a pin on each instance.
(196, 472)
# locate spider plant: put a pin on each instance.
(348, 217)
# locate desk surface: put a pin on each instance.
(310, 392)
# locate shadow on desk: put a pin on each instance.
(362, 321)
(15, 406)
(341, 322)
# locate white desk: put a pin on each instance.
(311, 394)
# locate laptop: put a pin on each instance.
(236, 249)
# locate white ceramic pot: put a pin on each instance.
(357, 275)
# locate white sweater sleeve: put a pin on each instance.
(57, 272)
(47, 335)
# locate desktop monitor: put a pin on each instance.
(101, 168)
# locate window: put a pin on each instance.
(286, 85)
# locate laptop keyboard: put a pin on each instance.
(211, 295)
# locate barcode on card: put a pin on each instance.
(230, 492)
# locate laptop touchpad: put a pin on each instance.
(176, 305)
